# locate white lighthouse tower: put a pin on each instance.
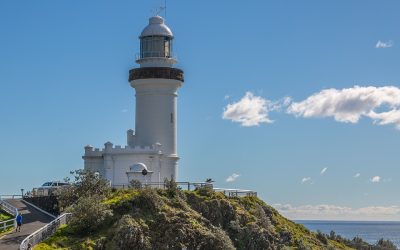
(151, 152)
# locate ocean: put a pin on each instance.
(369, 231)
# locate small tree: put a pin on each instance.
(171, 186)
(86, 183)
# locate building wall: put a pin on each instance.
(114, 163)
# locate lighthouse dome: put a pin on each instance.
(156, 27)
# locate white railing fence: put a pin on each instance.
(11, 210)
(10, 196)
(8, 208)
(44, 232)
(193, 185)
(6, 224)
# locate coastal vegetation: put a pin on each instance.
(3, 217)
(147, 218)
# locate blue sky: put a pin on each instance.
(64, 68)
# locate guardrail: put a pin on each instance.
(193, 185)
(6, 224)
(162, 185)
(8, 208)
(44, 232)
(9, 196)
(236, 192)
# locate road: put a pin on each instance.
(32, 220)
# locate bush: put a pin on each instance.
(131, 235)
(322, 237)
(171, 187)
(89, 213)
(301, 246)
(86, 183)
(385, 244)
(206, 190)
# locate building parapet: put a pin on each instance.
(118, 149)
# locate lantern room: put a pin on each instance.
(156, 44)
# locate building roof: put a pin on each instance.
(156, 27)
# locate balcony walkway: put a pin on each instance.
(32, 220)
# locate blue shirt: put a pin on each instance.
(19, 218)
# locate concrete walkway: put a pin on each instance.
(32, 220)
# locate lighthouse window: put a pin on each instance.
(172, 118)
(155, 46)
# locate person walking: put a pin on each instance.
(18, 219)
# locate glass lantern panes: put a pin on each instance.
(155, 46)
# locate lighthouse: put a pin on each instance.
(150, 155)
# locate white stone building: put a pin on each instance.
(151, 151)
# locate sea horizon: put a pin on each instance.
(319, 220)
(369, 231)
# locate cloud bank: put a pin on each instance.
(381, 104)
(333, 212)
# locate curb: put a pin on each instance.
(38, 208)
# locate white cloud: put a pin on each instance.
(334, 212)
(350, 104)
(226, 97)
(232, 177)
(305, 180)
(323, 171)
(250, 111)
(384, 45)
(376, 179)
(357, 175)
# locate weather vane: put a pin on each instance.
(157, 11)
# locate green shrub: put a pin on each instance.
(206, 190)
(131, 235)
(171, 187)
(89, 214)
(385, 244)
(86, 183)
(322, 237)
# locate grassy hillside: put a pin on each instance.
(174, 219)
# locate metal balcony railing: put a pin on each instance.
(154, 54)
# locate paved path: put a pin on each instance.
(32, 220)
